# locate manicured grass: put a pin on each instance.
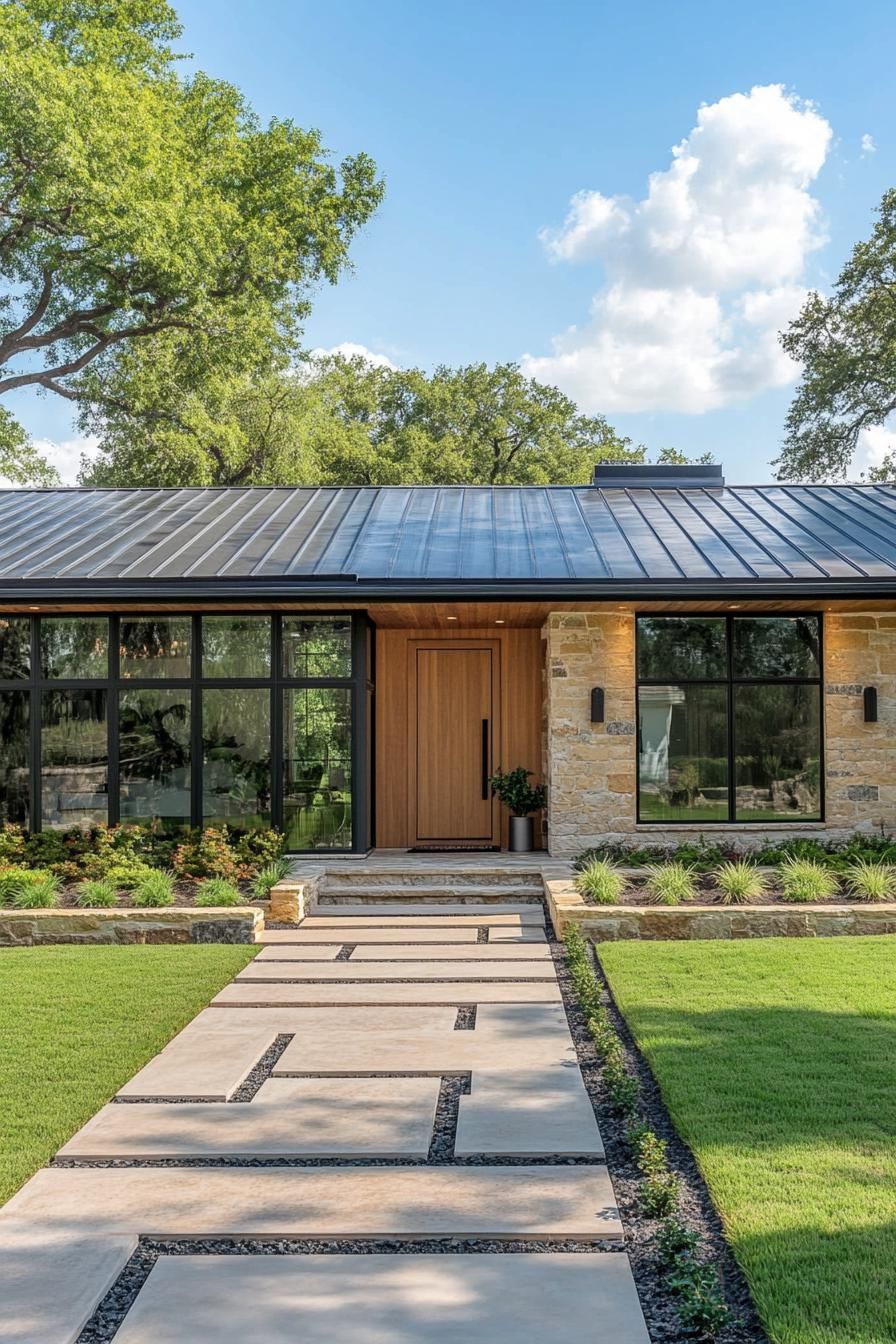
(76, 1022)
(777, 1059)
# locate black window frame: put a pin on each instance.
(729, 684)
(359, 682)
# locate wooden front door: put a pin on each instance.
(452, 729)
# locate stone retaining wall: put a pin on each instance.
(614, 923)
(212, 924)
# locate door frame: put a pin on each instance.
(495, 735)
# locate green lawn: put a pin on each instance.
(777, 1059)
(76, 1022)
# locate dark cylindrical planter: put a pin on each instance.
(521, 835)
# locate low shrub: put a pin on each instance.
(36, 888)
(12, 842)
(260, 848)
(784, 850)
(601, 882)
(155, 889)
(219, 891)
(673, 1240)
(661, 1188)
(700, 1306)
(670, 883)
(97, 893)
(870, 881)
(206, 853)
(805, 880)
(125, 876)
(740, 882)
(268, 877)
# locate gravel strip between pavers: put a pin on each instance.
(466, 1018)
(106, 1320)
(344, 952)
(482, 934)
(696, 1206)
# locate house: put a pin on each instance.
(673, 656)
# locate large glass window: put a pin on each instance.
(236, 646)
(74, 758)
(317, 646)
(317, 768)
(182, 719)
(15, 647)
(74, 648)
(155, 646)
(15, 755)
(729, 718)
(154, 757)
(236, 757)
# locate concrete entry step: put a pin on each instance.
(396, 970)
(551, 1203)
(343, 1299)
(290, 1117)
(433, 917)
(408, 875)
(421, 909)
(281, 994)
(436, 894)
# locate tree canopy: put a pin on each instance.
(847, 346)
(337, 421)
(148, 219)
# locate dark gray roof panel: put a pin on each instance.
(452, 534)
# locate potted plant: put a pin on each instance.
(522, 799)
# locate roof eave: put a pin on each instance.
(359, 592)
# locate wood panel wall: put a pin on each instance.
(521, 701)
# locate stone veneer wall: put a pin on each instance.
(591, 768)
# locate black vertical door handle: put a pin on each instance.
(485, 760)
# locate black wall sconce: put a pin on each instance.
(597, 704)
(869, 696)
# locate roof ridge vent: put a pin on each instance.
(650, 476)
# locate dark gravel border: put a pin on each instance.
(695, 1205)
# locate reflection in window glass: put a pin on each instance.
(778, 752)
(318, 646)
(155, 646)
(777, 646)
(15, 789)
(236, 757)
(72, 647)
(683, 753)
(317, 783)
(682, 648)
(236, 646)
(74, 758)
(15, 647)
(154, 757)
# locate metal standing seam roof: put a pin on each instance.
(454, 539)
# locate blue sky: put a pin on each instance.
(487, 119)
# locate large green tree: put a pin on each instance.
(141, 209)
(847, 346)
(338, 421)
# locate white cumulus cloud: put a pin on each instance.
(868, 145)
(702, 272)
(351, 350)
(66, 454)
(874, 444)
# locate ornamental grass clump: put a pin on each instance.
(155, 889)
(601, 882)
(671, 883)
(268, 877)
(97, 893)
(218, 891)
(740, 882)
(869, 881)
(804, 880)
(36, 889)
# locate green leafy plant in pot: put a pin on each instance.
(521, 799)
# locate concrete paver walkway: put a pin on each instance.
(403, 1078)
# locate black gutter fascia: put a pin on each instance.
(359, 592)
